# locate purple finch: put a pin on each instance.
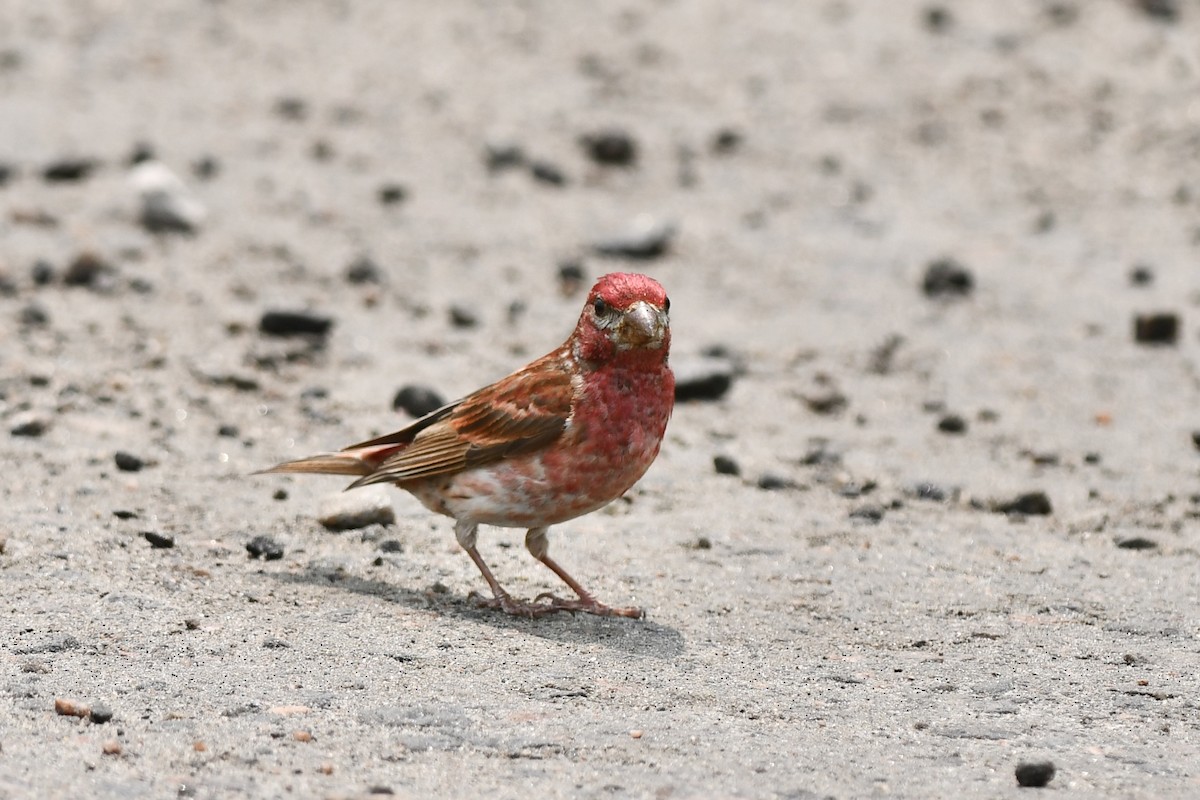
(561, 437)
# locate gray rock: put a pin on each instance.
(370, 505)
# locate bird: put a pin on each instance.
(557, 439)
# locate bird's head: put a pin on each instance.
(624, 321)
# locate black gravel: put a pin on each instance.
(295, 323)
(417, 400)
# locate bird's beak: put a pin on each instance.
(642, 325)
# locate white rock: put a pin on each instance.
(166, 203)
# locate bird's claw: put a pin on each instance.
(512, 606)
(589, 605)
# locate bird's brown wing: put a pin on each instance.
(521, 413)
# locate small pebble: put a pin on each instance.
(100, 714)
(725, 141)
(725, 465)
(371, 505)
(280, 494)
(1162, 10)
(937, 19)
(417, 400)
(68, 170)
(1030, 504)
(868, 513)
(1141, 275)
(206, 168)
(292, 323)
(647, 237)
(1137, 543)
(1034, 773)
(228, 431)
(947, 278)
(570, 278)
(772, 482)
(128, 462)
(702, 378)
(363, 270)
(65, 706)
(42, 272)
(636, 734)
(302, 736)
(391, 194)
(462, 316)
(87, 269)
(29, 423)
(611, 147)
(293, 109)
(33, 316)
(112, 748)
(930, 491)
(159, 541)
(952, 423)
(503, 154)
(167, 205)
(391, 546)
(264, 547)
(1160, 328)
(547, 173)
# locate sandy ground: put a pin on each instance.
(870, 626)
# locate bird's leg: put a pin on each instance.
(537, 544)
(467, 533)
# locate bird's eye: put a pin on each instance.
(667, 305)
(600, 307)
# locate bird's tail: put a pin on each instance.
(357, 461)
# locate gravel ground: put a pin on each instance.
(930, 512)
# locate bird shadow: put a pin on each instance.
(636, 637)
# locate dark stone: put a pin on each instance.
(545, 172)
(264, 547)
(500, 155)
(206, 168)
(363, 270)
(293, 109)
(611, 147)
(1159, 328)
(945, 277)
(830, 402)
(1034, 773)
(42, 272)
(29, 424)
(772, 482)
(1141, 275)
(33, 316)
(68, 169)
(1137, 543)
(463, 316)
(158, 540)
(279, 494)
(930, 491)
(868, 513)
(272, 643)
(128, 462)
(100, 714)
(937, 19)
(391, 546)
(7, 173)
(392, 193)
(228, 431)
(952, 423)
(142, 151)
(570, 277)
(702, 379)
(86, 270)
(417, 400)
(123, 513)
(726, 141)
(1030, 504)
(724, 465)
(1094, 458)
(1164, 10)
(293, 323)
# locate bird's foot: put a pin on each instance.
(588, 605)
(510, 605)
